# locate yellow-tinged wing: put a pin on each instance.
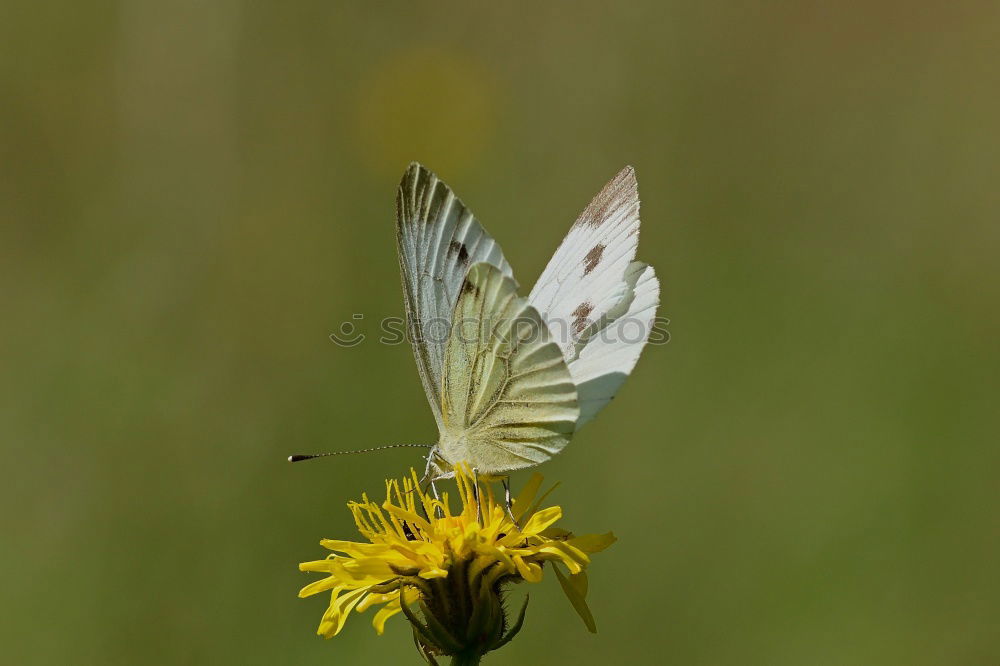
(438, 239)
(508, 400)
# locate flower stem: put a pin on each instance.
(470, 659)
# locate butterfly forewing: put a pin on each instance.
(438, 240)
(509, 401)
(583, 280)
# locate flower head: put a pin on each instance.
(453, 565)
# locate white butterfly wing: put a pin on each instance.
(599, 302)
(611, 353)
(509, 399)
(438, 239)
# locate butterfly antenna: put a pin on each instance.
(309, 456)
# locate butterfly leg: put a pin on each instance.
(423, 509)
(507, 503)
(475, 493)
(438, 512)
(429, 476)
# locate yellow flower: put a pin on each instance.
(453, 565)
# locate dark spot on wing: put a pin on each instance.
(469, 288)
(580, 315)
(599, 209)
(454, 247)
(593, 258)
(618, 193)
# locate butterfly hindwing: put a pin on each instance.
(438, 240)
(610, 353)
(508, 398)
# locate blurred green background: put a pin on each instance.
(194, 195)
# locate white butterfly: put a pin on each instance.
(511, 379)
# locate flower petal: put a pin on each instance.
(541, 520)
(369, 567)
(352, 549)
(323, 566)
(384, 614)
(375, 598)
(321, 585)
(335, 616)
(529, 571)
(576, 591)
(527, 494)
(557, 533)
(593, 543)
(573, 558)
(408, 516)
(434, 573)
